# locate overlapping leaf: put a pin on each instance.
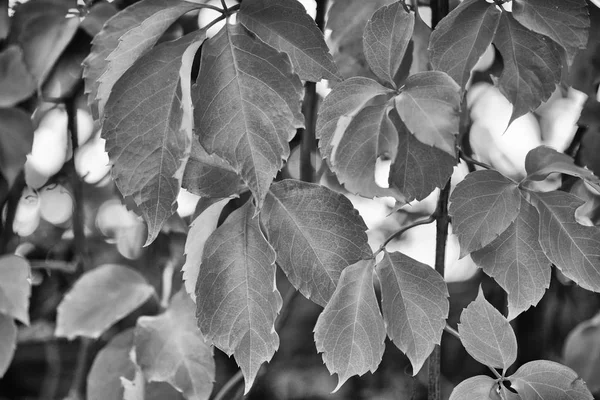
(487, 335)
(517, 262)
(16, 82)
(582, 352)
(570, 246)
(475, 388)
(15, 287)
(285, 26)
(247, 105)
(414, 299)
(482, 206)
(144, 133)
(237, 301)
(350, 331)
(8, 343)
(16, 139)
(316, 234)
(461, 38)
(100, 298)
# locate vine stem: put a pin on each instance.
(401, 231)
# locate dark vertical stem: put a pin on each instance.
(12, 202)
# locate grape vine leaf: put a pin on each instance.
(200, 230)
(386, 38)
(532, 65)
(460, 39)
(565, 22)
(428, 105)
(571, 247)
(517, 262)
(487, 335)
(582, 352)
(475, 388)
(236, 297)
(285, 26)
(16, 139)
(247, 105)
(100, 298)
(16, 82)
(8, 344)
(482, 206)
(316, 233)
(15, 287)
(170, 348)
(543, 380)
(350, 331)
(144, 130)
(414, 299)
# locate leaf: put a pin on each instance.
(428, 106)
(170, 348)
(345, 100)
(386, 38)
(316, 233)
(144, 133)
(418, 168)
(517, 262)
(478, 387)
(487, 335)
(548, 380)
(200, 230)
(414, 299)
(565, 22)
(532, 65)
(350, 331)
(15, 287)
(100, 298)
(16, 83)
(571, 247)
(247, 105)
(461, 38)
(134, 389)
(285, 26)
(236, 297)
(8, 344)
(582, 352)
(96, 17)
(482, 206)
(16, 139)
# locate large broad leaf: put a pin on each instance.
(532, 65)
(8, 343)
(15, 287)
(414, 299)
(236, 297)
(571, 247)
(16, 82)
(487, 335)
(350, 331)
(548, 380)
(582, 352)
(482, 206)
(461, 38)
(517, 262)
(144, 130)
(386, 39)
(247, 105)
(316, 234)
(100, 298)
(285, 26)
(478, 387)
(428, 105)
(16, 139)
(170, 348)
(564, 21)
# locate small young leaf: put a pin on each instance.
(15, 287)
(16, 82)
(100, 298)
(247, 105)
(414, 299)
(571, 247)
(582, 352)
(548, 380)
(487, 335)
(350, 331)
(460, 39)
(478, 387)
(8, 343)
(517, 262)
(564, 21)
(428, 106)
(285, 26)
(170, 348)
(482, 206)
(236, 297)
(316, 234)
(16, 139)
(386, 38)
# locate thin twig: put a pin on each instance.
(401, 231)
(229, 385)
(470, 160)
(224, 5)
(452, 331)
(12, 202)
